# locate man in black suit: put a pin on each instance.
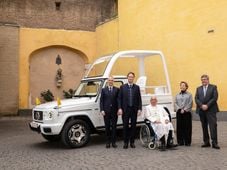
(206, 99)
(130, 105)
(109, 108)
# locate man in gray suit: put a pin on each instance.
(206, 99)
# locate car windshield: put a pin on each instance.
(88, 88)
(99, 66)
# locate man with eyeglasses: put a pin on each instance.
(129, 105)
(206, 99)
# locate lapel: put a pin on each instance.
(126, 91)
(113, 90)
(208, 90)
(107, 90)
(134, 88)
(200, 91)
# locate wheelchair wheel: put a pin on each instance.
(145, 136)
(152, 145)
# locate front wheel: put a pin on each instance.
(75, 134)
(152, 145)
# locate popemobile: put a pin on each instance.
(74, 120)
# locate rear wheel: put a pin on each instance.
(145, 136)
(75, 134)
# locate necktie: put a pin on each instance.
(204, 90)
(130, 101)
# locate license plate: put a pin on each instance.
(34, 125)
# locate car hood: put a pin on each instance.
(65, 103)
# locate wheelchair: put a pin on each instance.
(148, 137)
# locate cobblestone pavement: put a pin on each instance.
(21, 148)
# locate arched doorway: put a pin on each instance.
(43, 70)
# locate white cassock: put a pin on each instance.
(158, 113)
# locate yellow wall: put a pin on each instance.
(107, 37)
(33, 39)
(180, 30)
(177, 28)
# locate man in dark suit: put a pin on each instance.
(206, 99)
(130, 105)
(109, 108)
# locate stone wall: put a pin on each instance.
(50, 14)
(57, 14)
(9, 38)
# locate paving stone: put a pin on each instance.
(21, 148)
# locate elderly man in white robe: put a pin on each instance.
(160, 122)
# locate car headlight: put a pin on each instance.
(48, 115)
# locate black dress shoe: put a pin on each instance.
(169, 146)
(180, 143)
(132, 145)
(107, 145)
(114, 145)
(205, 145)
(215, 146)
(125, 146)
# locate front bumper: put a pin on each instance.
(34, 127)
(47, 129)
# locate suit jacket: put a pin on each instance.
(210, 99)
(123, 97)
(108, 100)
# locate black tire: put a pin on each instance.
(52, 138)
(152, 145)
(75, 134)
(145, 135)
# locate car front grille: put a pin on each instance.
(38, 115)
